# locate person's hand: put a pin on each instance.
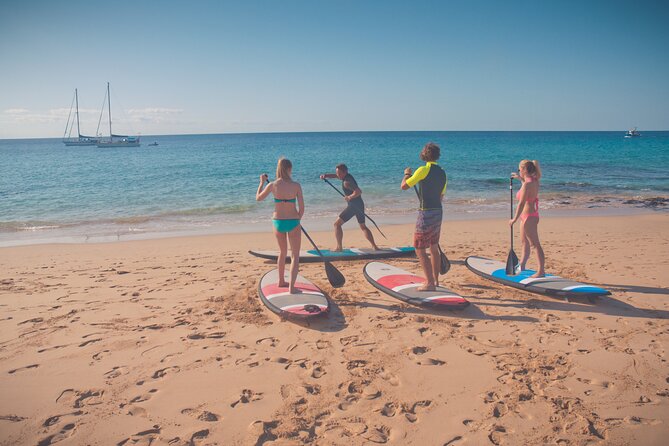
(407, 171)
(323, 177)
(512, 221)
(514, 175)
(347, 198)
(263, 177)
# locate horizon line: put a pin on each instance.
(347, 131)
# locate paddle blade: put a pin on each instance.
(336, 278)
(445, 263)
(511, 263)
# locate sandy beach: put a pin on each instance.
(165, 342)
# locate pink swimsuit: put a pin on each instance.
(524, 216)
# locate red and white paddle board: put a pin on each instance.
(308, 302)
(403, 285)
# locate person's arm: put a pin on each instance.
(328, 175)
(407, 175)
(410, 180)
(356, 191)
(521, 204)
(261, 194)
(300, 201)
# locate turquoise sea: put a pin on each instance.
(207, 183)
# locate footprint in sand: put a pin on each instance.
(202, 415)
(162, 372)
(116, 372)
(79, 398)
(31, 366)
(430, 361)
(317, 371)
(271, 342)
(144, 437)
(410, 412)
(378, 434)
(348, 340)
(389, 410)
(65, 432)
(391, 378)
(99, 355)
(247, 396)
(143, 397)
(497, 434)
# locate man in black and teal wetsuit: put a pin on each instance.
(431, 180)
(355, 205)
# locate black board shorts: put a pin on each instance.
(351, 210)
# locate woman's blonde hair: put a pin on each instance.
(283, 168)
(532, 167)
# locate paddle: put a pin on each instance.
(512, 259)
(445, 265)
(370, 218)
(335, 277)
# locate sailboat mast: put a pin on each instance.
(76, 96)
(109, 104)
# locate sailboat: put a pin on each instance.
(80, 140)
(115, 140)
(632, 133)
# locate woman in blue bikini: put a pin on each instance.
(288, 210)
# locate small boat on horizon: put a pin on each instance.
(80, 140)
(155, 143)
(632, 133)
(116, 140)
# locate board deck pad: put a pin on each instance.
(551, 285)
(346, 254)
(403, 285)
(309, 302)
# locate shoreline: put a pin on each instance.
(318, 224)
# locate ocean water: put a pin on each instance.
(207, 183)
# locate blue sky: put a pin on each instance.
(266, 66)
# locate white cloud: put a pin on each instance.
(153, 114)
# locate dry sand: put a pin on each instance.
(165, 342)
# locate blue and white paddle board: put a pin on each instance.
(550, 285)
(346, 254)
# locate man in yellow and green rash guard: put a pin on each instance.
(431, 181)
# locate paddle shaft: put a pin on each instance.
(370, 218)
(511, 207)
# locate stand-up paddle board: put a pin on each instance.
(346, 254)
(403, 285)
(550, 285)
(309, 302)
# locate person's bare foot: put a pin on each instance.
(426, 287)
(294, 291)
(337, 249)
(538, 274)
(376, 248)
(283, 284)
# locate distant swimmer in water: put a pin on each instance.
(288, 211)
(528, 213)
(355, 205)
(431, 181)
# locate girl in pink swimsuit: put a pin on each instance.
(528, 213)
